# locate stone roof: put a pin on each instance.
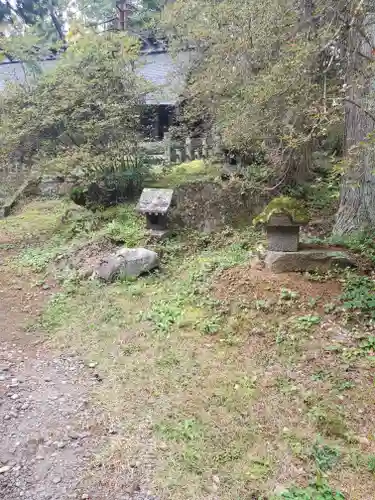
(159, 68)
(155, 201)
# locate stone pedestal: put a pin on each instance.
(282, 234)
(283, 239)
(307, 260)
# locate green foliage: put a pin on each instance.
(316, 491)
(309, 320)
(371, 464)
(164, 315)
(325, 457)
(37, 258)
(283, 205)
(185, 431)
(82, 118)
(359, 242)
(262, 83)
(359, 295)
(286, 294)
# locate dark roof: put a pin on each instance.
(166, 73)
(159, 68)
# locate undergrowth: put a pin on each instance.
(212, 388)
(318, 490)
(359, 294)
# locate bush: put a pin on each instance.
(113, 186)
(82, 118)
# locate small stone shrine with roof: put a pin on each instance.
(154, 204)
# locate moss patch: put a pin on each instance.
(177, 175)
(283, 205)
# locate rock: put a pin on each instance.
(56, 480)
(50, 186)
(127, 262)
(307, 260)
(28, 188)
(4, 469)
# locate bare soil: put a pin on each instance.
(248, 284)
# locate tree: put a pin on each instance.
(259, 73)
(34, 13)
(357, 201)
(83, 116)
(279, 74)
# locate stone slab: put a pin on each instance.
(307, 260)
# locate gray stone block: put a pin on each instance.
(283, 239)
(307, 260)
(127, 262)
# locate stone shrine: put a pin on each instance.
(154, 204)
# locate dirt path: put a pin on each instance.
(49, 428)
(46, 438)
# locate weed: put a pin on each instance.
(297, 446)
(185, 431)
(308, 321)
(362, 243)
(37, 258)
(368, 345)
(163, 315)
(262, 305)
(130, 349)
(329, 308)
(371, 464)
(316, 491)
(344, 385)
(258, 469)
(211, 325)
(328, 421)
(325, 457)
(320, 375)
(286, 294)
(170, 360)
(359, 295)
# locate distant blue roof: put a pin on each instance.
(159, 68)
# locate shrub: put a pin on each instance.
(83, 117)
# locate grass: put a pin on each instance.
(59, 228)
(230, 399)
(184, 173)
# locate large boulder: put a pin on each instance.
(126, 263)
(307, 260)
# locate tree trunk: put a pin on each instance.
(56, 23)
(357, 199)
